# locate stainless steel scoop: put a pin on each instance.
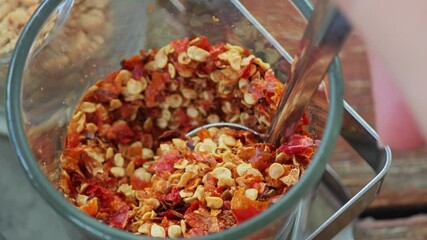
(321, 42)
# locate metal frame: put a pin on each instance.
(364, 140)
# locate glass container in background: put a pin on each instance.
(13, 16)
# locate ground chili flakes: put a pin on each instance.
(125, 161)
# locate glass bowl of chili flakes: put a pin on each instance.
(133, 79)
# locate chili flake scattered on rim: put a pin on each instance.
(127, 164)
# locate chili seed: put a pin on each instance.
(99, 157)
(251, 193)
(183, 58)
(247, 60)
(174, 231)
(91, 127)
(235, 62)
(192, 112)
(221, 172)
(134, 87)
(160, 59)
(126, 189)
(147, 153)
(280, 157)
(242, 168)
(81, 199)
(185, 193)
(229, 182)
(249, 98)
(185, 73)
(88, 107)
(171, 70)
(144, 228)
(118, 171)
(199, 193)
(243, 84)
(185, 178)
(115, 104)
(189, 93)
(109, 153)
(174, 100)
(119, 160)
(292, 178)
(181, 164)
(276, 170)
(183, 226)
(197, 54)
(142, 174)
(227, 140)
(124, 75)
(157, 231)
(208, 145)
(148, 124)
(153, 202)
(213, 118)
(214, 202)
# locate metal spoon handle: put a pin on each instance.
(322, 40)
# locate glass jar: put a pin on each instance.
(64, 50)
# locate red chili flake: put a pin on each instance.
(216, 50)
(130, 63)
(104, 195)
(119, 218)
(244, 208)
(256, 89)
(158, 83)
(99, 118)
(200, 221)
(173, 196)
(261, 160)
(126, 110)
(72, 139)
(210, 185)
(138, 184)
(183, 119)
(138, 71)
(180, 45)
(206, 159)
(246, 70)
(203, 43)
(297, 144)
(91, 207)
(105, 94)
(120, 131)
(203, 134)
(146, 140)
(167, 161)
(271, 80)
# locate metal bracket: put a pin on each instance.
(364, 140)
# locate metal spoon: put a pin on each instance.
(321, 42)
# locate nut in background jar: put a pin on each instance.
(13, 17)
(87, 24)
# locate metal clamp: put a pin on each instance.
(364, 140)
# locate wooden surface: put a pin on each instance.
(398, 212)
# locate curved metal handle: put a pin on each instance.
(365, 141)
